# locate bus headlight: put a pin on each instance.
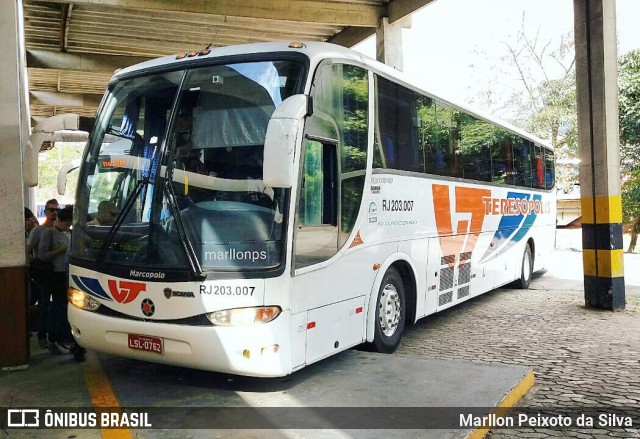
(244, 316)
(82, 300)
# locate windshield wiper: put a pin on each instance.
(169, 194)
(194, 263)
(120, 220)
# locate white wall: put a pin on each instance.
(13, 133)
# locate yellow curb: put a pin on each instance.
(102, 395)
(507, 402)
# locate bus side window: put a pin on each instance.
(397, 126)
(446, 140)
(549, 169)
(474, 136)
(317, 215)
(522, 162)
(498, 163)
(537, 166)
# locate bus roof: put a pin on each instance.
(313, 50)
(316, 52)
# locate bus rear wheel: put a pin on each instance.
(390, 313)
(526, 270)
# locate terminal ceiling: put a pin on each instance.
(72, 48)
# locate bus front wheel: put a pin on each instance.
(390, 313)
(526, 270)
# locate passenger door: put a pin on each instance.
(332, 179)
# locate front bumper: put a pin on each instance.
(241, 350)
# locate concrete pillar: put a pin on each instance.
(601, 203)
(14, 129)
(389, 41)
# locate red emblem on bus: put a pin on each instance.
(148, 308)
(458, 236)
(125, 291)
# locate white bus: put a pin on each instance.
(254, 209)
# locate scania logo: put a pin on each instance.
(125, 291)
(148, 308)
(169, 293)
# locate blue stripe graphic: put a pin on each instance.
(512, 228)
(91, 286)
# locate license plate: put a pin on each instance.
(145, 343)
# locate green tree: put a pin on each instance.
(629, 98)
(544, 103)
(533, 87)
(49, 164)
(631, 206)
(475, 136)
(629, 109)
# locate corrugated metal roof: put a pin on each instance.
(121, 29)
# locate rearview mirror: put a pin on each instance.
(281, 139)
(52, 129)
(62, 174)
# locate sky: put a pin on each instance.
(447, 37)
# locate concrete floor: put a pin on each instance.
(469, 356)
(354, 394)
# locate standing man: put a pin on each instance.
(51, 212)
(35, 241)
(58, 328)
(30, 222)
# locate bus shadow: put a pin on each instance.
(144, 383)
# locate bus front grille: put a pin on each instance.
(199, 320)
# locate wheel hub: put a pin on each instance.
(389, 310)
(527, 266)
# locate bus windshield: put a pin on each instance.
(172, 178)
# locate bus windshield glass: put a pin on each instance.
(172, 177)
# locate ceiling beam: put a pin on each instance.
(109, 17)
(351, 36)
(68, 81)
(48, 59)
(339, 13)
(401, 8)
(64, 25)
(396, 10)
(66, 99)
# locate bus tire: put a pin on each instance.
(526, 270)
(390, 313)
